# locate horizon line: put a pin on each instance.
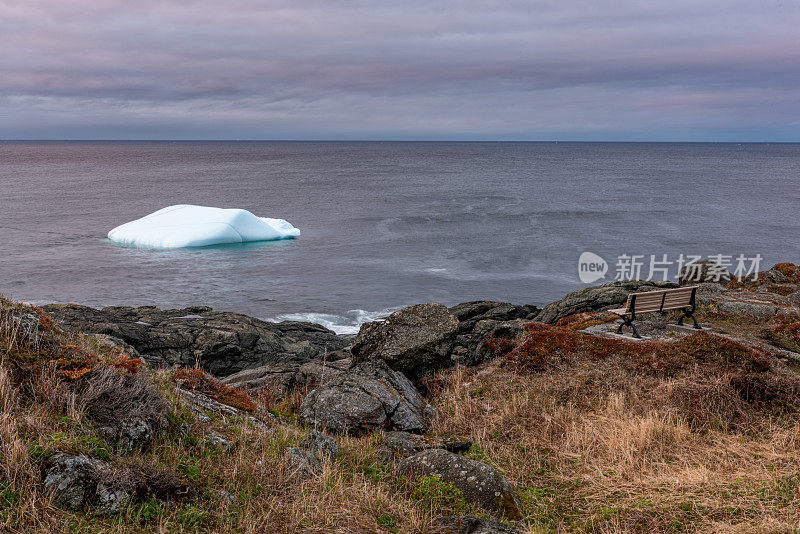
(209, 140)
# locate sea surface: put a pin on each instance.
(384, 224)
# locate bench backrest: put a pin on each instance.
(661, 300)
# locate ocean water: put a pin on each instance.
(383, 224)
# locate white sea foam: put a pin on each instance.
(341, 324)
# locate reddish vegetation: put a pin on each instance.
(197, 380)
(45, 322)
(72, 355)
(703, 360)
(74, 362)
(783, 332)
(790, 270)
(544, 346)
(579, 321)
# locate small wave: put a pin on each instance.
(341, 324)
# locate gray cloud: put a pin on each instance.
(438, 69)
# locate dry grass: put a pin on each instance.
(594, 447)
(596, 440)
(248, 489)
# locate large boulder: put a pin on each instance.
(370, 396)
(222, 342)
(478, 483)
(476, 347)
(76, 482)
(415, 340)
(597, 298)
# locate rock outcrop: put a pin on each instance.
(477, 482)
(222, 343)
(415, 341)
(469, 313)
(481, 319)
(422, 339)
(281, 377)
(597, 298)
(370, 396)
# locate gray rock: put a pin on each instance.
(112, 499)
(76, 482)
(130, 436)
(322, 445)
(415, 340)
(71, 481)
(481, 319)
(398, 445)
(703, 271)
(274, 377)
(302, 463)
(597, 298)
(774, 276)
(485, 330)
(25, 326)
(735, 307)
(227, 497)
(224, 343)
(282, 377)
(258, 423)
(477, 482)
(469, 524)
(469, 313)
(201, 405)
(370, 396)
(318, 372)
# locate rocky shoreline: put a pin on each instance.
(381, 382)
(251, 353)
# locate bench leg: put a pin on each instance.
(689, 314)
(627, 321)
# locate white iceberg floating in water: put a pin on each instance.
(199, 226)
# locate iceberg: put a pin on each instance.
(199, 226)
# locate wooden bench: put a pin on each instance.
(681, 298)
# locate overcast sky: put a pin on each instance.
(529, 70)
